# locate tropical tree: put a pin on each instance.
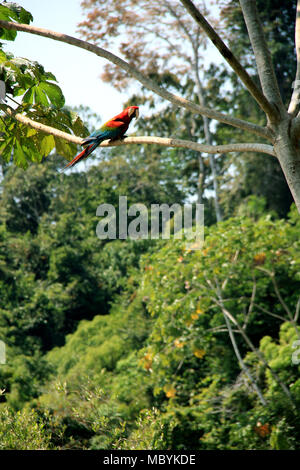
(280, 132)
(278, 20)
(157, 41)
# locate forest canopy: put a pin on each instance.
(143, 344)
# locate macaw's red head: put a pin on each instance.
(127, 114)
(132, 112)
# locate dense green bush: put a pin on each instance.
(22, 430)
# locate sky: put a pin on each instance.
(77, 71)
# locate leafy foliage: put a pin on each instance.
(11, 11)
(22, 431)
(39, 98)
(165, 345)
(140, 344)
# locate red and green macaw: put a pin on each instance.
(114, 129)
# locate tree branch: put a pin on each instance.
(294, 103)
(269, 313)
(170, 142)
(232, 338)
(220, 302)
(238, 354)
(165, 142)
(201, 98)
(297, 311)
(41, 127)
(148, 83)
(251, 304)
(256, 351)
(262, 54)
(282, 302)
(230, 58)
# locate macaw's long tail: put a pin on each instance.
(84, 154)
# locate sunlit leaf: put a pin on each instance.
(53, 92)
(14, 11)
(46, 144)
(19, 155)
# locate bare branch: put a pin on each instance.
(297, 311)
(170, 142)
(282, 302)
(294, 103)
(230, 58)
(234, 260)
(251, 304)
(270, 313)
(195, 65)
(148, 83)
(164, 141)
(256, 351)
(220, 302)
(262, 56)
(237, 352)
(177, 17)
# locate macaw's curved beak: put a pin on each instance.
(136, 114)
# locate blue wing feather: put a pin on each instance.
(101, 135)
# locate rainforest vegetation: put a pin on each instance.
(144, 344)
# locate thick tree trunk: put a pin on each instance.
(288, 154)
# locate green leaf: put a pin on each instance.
(29, 96)
(14, 11)
(3, 56)
(54, 93)
(39, 96)
(46, 144)
(30, 132)
(6, 149)
(19, 155)
(7, 34)
(30, 151)
(77, 125)
(64, 148)
(50, 76)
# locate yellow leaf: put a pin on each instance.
(146, 361)
(259, 258)
(194, 316)
(170, 391)
(178, 343)
(199, 353)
